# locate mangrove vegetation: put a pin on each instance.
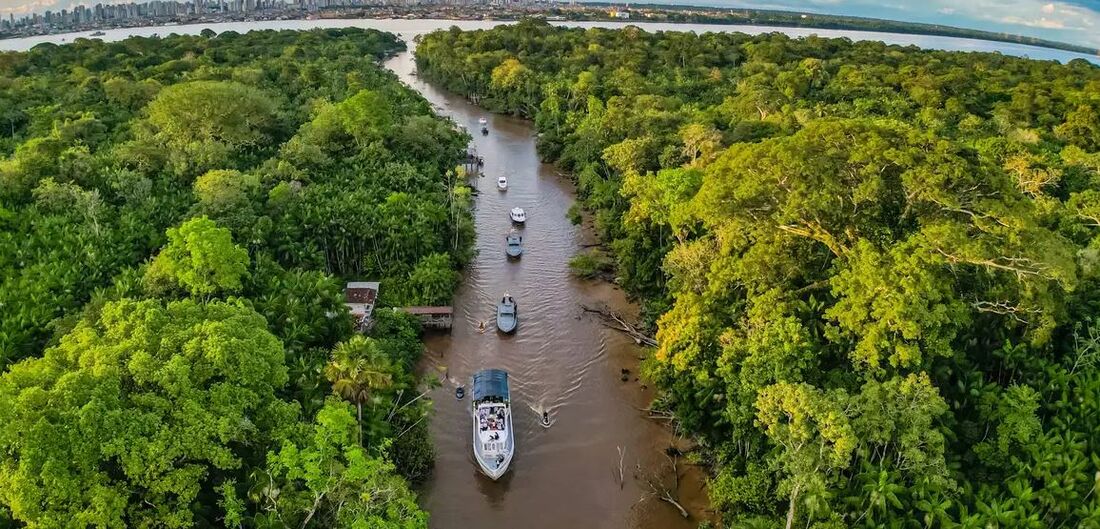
(178, 217)
(872, 270)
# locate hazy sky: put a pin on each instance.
(1075, 21)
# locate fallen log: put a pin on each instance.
(659, 491)
(614, 320)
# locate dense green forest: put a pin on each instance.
(177, 219)
(873, 269)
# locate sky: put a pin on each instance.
(1073, 21)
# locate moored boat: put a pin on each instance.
(502, 183)
(513, 244)
(507, 315)
(518, 215)
(494, 444)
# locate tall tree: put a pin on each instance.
(357, 370)
(201, 258)
(137, 412)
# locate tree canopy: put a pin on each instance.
(124, 421)
(871, 268)
(178, 219)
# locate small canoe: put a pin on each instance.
(518, 215)
(513, 245)
(507, 317)
(502, 183)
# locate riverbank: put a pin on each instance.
(780, 204)
(603, 457)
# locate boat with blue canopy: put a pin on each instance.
(494, 444)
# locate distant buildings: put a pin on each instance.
(103, 16)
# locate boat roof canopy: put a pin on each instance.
(490, 383)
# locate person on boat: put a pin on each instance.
(481, 326)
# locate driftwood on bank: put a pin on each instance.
(614, 320)
(659, 491)
(622, 453)
(658, 415)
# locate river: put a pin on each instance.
(417, 26)
(560, 360)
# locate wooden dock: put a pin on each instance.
(433, 317)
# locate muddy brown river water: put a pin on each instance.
(560, 360)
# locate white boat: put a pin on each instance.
(494, 444)
(518, 215)
(502, 183)
(482, 122)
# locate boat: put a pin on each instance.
(518, 215)
(460, 392)
(545, 419)
(494, 444)
(507, 317)
(98, 34)
(502, 183)
(513, 245)
(483, 122)
(484, 131)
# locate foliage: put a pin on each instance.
(178, 218)
(200, 124)
(873, 269)
(358, 368)
(200, 257)
(590, 264)
(133, 414)
(323, 476)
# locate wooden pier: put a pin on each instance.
(473, 164)
(433, 317)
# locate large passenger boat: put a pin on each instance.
(494, 443)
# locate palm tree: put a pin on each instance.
(358, 368)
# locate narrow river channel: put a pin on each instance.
(560, 360)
